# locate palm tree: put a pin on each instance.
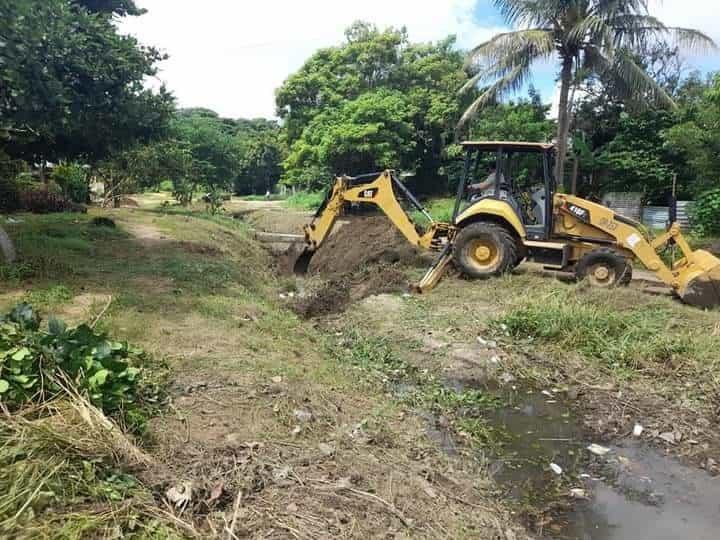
(587, 37)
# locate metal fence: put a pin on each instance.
(630, 206)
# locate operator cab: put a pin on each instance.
(518, 173)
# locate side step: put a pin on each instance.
(553, 255)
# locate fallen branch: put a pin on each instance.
(104, 310)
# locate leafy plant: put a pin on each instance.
(33, 364)
(73, 181)
(706, 213)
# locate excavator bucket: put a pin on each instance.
(699, 283)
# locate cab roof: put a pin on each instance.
(509, 145)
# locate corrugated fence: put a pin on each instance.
(630, 206)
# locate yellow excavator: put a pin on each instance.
(522, 217)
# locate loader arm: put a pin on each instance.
(695, 278)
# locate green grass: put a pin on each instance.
(273, 197)
(440, 210)
(305, 200)
(628, 338)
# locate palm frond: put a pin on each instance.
(511, 82)
(536, 42)
(529, 12)
(631, 77)
(591, 28)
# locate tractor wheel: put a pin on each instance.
(604, 268)
(483, 250)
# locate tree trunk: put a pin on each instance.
(573, 182)
(563, 119)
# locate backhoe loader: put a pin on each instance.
(522, 217)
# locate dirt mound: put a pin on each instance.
(364, 257)
(362, 242)
(325, 297)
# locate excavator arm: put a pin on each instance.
(378, 189)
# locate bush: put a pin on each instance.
(706, 213)
(45, 202)
(34, 362)
(72, 180)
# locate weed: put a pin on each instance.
(620, 339)
(421, 389)
(49, 297)
(34, 364)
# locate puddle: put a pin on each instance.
(633, 491)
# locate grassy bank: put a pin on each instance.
(258, 410)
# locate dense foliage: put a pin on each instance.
(71, 85)
(34, 365)
(375, 101)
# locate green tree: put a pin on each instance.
(696, 134)
(369, 133)
(587, 36)
(72, 87)
(339, 88)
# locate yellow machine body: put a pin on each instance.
(578, 228)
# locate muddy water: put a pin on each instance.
(633, 492)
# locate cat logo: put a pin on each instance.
(368, 193)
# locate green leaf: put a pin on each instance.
(4, 386)
(102, 351)
(56, 327)
(21, 354)
(99, 378)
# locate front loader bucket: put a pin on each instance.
(699, 284)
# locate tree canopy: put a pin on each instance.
(72, 87)
(376, 100)
(589, 37)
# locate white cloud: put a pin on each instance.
(231, 57)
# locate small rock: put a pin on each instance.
(180, 494)
(277, 379)
(637, 430)
(547, 393)
(557, 469)
(297, 430)
(326, 450)
(343, 483)
(598, 450)
(577, 493)
(282, 473)
(292, 508)
(488, 343)
(303, 415)
(668, 437)
(506, 378)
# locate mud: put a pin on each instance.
(321, 297)
(631, 492)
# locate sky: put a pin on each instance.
(230, 58)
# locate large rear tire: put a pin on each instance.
(604, 268)
(482, 250)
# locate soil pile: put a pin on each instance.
(366, 256)
(361, 243)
